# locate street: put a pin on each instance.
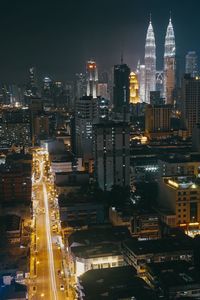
(47, 276)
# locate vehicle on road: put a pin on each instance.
(62, 288)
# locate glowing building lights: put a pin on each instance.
(150, 63)
(169, 64)
(134, 88)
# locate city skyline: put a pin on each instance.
(114, 28)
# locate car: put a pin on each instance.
(62, 288)
(34, 289)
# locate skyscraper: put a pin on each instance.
(112, 154)
(86, 112)
(191, 64)
(91, 78)
(191, 102)
(169, 64)
(134, 88)
(141, 77)
(121, 91)
(150, 63)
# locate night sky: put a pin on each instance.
(59, 36)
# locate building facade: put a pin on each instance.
(191, 102)
(169, 64)
(150, 63)
(191, 63)
(121, 90)
(112, 154)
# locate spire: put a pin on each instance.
(150, 41)
(150, 62)
(170, 47)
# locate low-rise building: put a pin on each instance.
(96, 257)
(77, 212)
(9, 289)
(174, 279)
(139, 253)
(112, 284)
(141, 224)
(181, 195)
(99, 234)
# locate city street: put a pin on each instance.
(47, 279)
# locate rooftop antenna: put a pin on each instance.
(150, 17)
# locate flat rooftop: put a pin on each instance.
(100, 250)
(174, 273)
(182, 182)
(114, 283)
(97, 235)
(163, 245)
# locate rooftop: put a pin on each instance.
(163, 245)
(174, 273)
(100, 250)
(97, 235)
(182, 182)
(114, 283)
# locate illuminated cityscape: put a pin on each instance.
(99, 150)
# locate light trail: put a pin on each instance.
(49, 243)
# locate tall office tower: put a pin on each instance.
(86, 112)
(112, 154)
(169, 65)
(150, 63)
(141, 78)
(92, 78)
(191, 102)
(191, 63)
(134, 89)
(121, 91)
(32, 84)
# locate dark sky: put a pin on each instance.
(59, 36)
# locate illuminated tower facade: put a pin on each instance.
(150, 63)
(169, 64)
(92, 78)
(191, 64)
(134, 88)
(141, 76)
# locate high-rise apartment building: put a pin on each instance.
(169, 65)
(191, 102)
(91, 78)
(112, 154)
(191, 63)
(121, 90)
(15, 128)
(150, 63)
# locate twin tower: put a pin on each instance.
(147, 72)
